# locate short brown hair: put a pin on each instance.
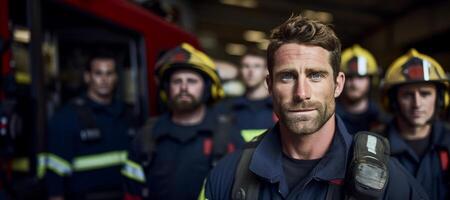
(301, 30)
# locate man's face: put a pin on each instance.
(253, 71)
(186, 90)
(102, 77)
(356, 88)
(303, 87)
(417, 103)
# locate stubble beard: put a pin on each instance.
(182, 105)
(306, 125)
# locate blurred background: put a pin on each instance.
(45, 44)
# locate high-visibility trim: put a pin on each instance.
(133, 171)
(58, 165)
(97, 161)
(41, 165)
(202, 195)
(249, 134)
(21, 164)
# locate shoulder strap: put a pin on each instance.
(334, 190)
(145, 143)
(444, 156)
(221, 138)
(246, 184)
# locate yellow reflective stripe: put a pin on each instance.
(102, 160)
(249, 134)
(42, 165)
(58, 165)
(21, 164)
(202, 196)
(133, 171)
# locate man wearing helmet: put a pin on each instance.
(355, 107)
(188, 139)
(415, 89)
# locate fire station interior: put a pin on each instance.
(49, 72)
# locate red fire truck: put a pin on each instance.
(44, 46)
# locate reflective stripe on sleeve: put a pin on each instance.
(57, 165)
(97, 161)
(249, 134)
(133, 171)
(41, 165)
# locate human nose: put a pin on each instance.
(417, 99)
(302, 90)
(184, 86)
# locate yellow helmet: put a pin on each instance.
(186, 56)
(358, 61)
(414, 67)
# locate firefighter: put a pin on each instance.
(171, 157)
(356, 107)
(415, 90)
(88, 138)
(252, 113)
(307, 154)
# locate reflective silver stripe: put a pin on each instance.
(133, 171)
(58, 165)
(102, 160)
(42, 165)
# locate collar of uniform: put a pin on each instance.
(398, 145)
(267, 159)
(115, 107)
(166, 127)
(439, 139)
(440, 135)
(332, 166)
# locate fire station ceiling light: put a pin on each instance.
(241, 3)
(254, 36)
(324, 17)
(22, 35)
(235, 49)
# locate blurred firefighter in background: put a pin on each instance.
(88, 138)
(356, 107)
(252, 113)
(415, 90)
(172, 155)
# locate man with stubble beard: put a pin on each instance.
(306, 154)
(188, 139)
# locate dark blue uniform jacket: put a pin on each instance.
(181, 161)
(251, 117)
(427, 170)
(77, 167)
(364, 121)
(266, 163)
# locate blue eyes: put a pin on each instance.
(314, 76)
(287, 77)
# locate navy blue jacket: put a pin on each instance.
(427, 170)
(364, 121)
(251, 117)
(76, 167)
(267, 164)
(181, 161)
